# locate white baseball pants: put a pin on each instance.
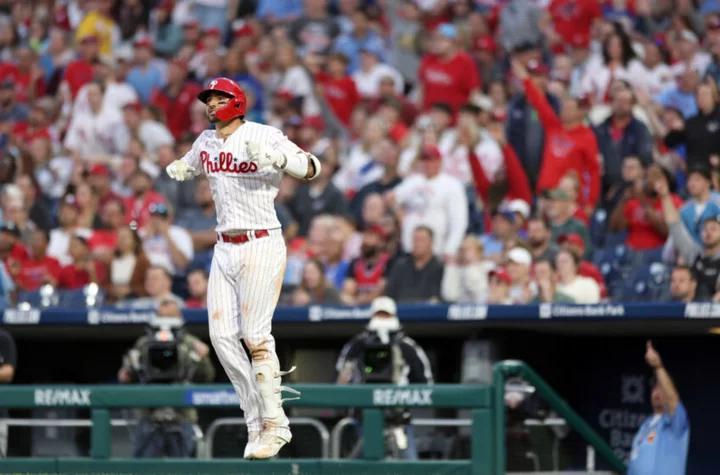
(243, 291)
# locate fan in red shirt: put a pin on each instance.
(338, 88)
(36, 126)
(138, 206)
(573, 18)
(176, 98)
(575, 244)
(448, 75)
(103, 242)
(26, 74)
(569, 144)
(80, 72)
(12, 250)
(83, 270)
(640, 212)
(37, 268)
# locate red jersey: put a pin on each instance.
(77, 74)
(588, 269)
(194, 303)
(449, 81)
(24, 134)
(641, 235)
(573, 18)
(33, 273)
(367, 277)
(72, 278)
(340, 94)
(103, 241)
(518, 186)
(177, 108)
(23, 82)
(566, 150)
(139, 211)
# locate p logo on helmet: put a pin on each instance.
(235, 107)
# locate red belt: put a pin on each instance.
(242, 238)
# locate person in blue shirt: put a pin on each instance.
(661, 445)
(279, 10)
(704, 202)
(362, 37)
(682, 96)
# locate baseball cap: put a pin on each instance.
(447, 30)
(383, 304)
(713, 23)
(509, 215)
(499, 115)
(243, 29)
(688, 35)
(294, 121)
(483, 102)
(284, 93)
(89, 38)
(519, 206)
(500, 274)
(558, 194)
(519, 255)
(430, 152)
(537, 68)
(212, 31)
(135, 105)
(572, 238)
(377, 229)
(10, 227)
(373, 49)
(99, 169)
(714, 219)
(143, 42)
(313, 122)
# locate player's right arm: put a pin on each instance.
(189, 166)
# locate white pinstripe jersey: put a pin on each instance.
(244, 196)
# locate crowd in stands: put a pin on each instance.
(489, 151)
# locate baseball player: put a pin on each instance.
(244, 162)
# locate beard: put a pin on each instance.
(211, 117)
(368, 252)
(536, 242)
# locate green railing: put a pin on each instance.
(372, 399)
(505, 369)
(487, 454)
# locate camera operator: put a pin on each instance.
(384, 354)
(167, 354)
(8, 362)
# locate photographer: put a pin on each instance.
(384, 354)
(166, 355)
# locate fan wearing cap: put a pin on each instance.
(569, 144)
(447, 74)
(518, 262)
(499, 287)
(166, 244)
(367, 274)
(433, 199)
(98, 21)
(560, 212)
(80, 72)
(143, 196)
(245, 162)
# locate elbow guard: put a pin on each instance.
(298, 165)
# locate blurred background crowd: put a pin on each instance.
(489, 151)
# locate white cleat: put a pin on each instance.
(269, 445)
(253, 439)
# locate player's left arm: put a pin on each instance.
(283, 154)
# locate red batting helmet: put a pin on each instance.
(236, 106)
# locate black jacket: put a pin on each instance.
(635, 141)
(701, 136)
